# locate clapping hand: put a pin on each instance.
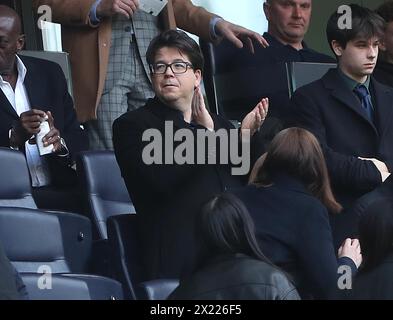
(254, 119)
(200, 115)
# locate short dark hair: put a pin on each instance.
(180, 40)
(386, 11)
(297, 153)
(365, 24)
(376, 233)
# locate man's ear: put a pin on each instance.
(198, 77)
(20, 42)
(338, 50)
(266, 10)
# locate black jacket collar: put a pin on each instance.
(382, 96)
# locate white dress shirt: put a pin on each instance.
(19, 100)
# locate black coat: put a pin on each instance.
(46, 88)
(166, 197)
(236, 277)
(333, 113)
(383, 72)
(293, 231)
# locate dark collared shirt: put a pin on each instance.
(279, 52)
(352, 84)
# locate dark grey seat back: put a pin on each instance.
(71, 287)
(34, 239)
(104, 189)
(15, 186)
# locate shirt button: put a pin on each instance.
(127, 29)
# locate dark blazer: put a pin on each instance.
(376, 284)
(236, 277)
(166, 196)
(293, 231)
(333, 113)
(47, 90)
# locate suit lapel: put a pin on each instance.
(34, 84)
(340, 91)
(384, 102)
(6, 106)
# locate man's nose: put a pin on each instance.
(297, 12)
(373, 51)
(168, 71)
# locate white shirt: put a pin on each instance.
(19, 100)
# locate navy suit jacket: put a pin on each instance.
(333, 113)
(293, 231)
(47, 90)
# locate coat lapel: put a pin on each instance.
(339, 91)
(6, 106)
(384, 102)
(34, 84)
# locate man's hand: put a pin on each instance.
(381, 166)
(254, 119)
(200, 115)
(351, 249)
(53, 136)
(28, 125)
(239, 36)
(108, 8)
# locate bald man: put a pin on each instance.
(32, 90)
(288, 23)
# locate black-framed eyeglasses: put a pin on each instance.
(178, 67)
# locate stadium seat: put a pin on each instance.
(126, 260)
(301, 73)
(61, 58)
(33, 238)
(71, 287)
(233, 91)
(125, 252)
(55, 247)
(159, 289)
(15, 187)
(103, 188)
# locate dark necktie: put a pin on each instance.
(362, 93)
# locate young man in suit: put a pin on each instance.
(107, 42)
(31, 90)
(351, 113)
(168, 192)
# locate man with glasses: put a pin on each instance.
(107, 42)
(167, 194)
